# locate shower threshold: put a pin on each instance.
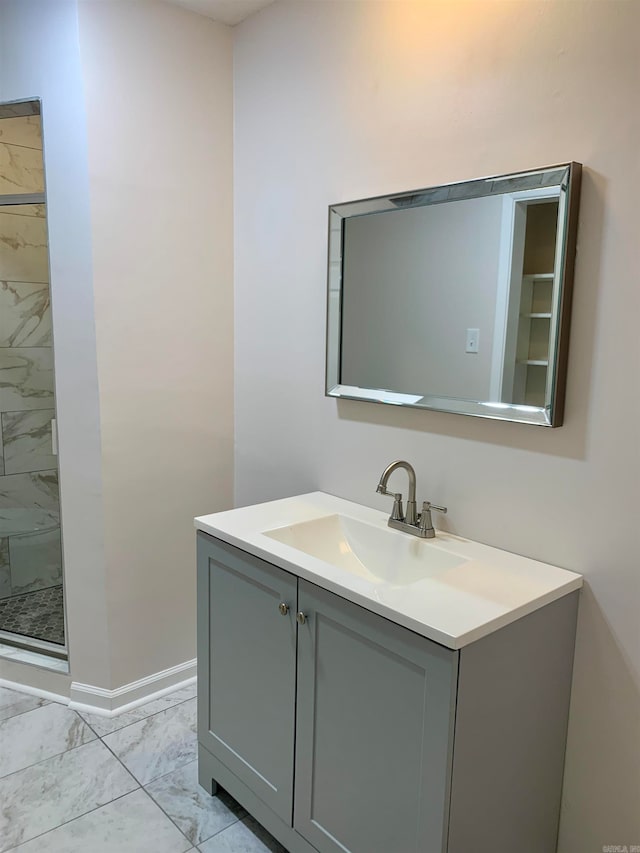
(32, 644)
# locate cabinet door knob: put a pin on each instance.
(300, 618)
(283, 608)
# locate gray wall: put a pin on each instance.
(39, 57)
(138, 162)
(160, 134)
(338, 101)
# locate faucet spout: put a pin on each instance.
(418, 525)
(411, 516)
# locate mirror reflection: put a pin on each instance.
(455, 298)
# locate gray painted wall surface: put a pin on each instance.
(137, 279)
(456, 98)
(40, 57)
(160, 134)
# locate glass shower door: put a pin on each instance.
(31, 601)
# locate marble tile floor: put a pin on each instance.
(81, 783)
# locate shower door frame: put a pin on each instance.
(9, 638)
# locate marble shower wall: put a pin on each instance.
(30, 548)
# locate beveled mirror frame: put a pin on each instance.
(552, 413)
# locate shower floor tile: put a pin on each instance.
(36, 614)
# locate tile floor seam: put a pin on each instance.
(67, 822)
(142, 719)
(224, 829)
(46, 702)
(170, 773)
(166, 814)
(153, 800)
(195, 846)
(55, 755)
(235, 818)
(119, 760)
(131, 773)
(89, 725)
(245, 820)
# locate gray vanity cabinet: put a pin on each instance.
(247, 669)
(374, 730)
(396, 743)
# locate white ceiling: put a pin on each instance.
(225, 11)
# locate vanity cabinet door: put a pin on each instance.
(374, 731)
(247, 669)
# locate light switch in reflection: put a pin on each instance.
(473, 340)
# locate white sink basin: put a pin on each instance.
(449, 589)
(379, 556)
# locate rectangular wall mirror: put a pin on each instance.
(456, 298)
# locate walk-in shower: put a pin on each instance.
(31, 600)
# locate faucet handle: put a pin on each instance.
(397, 513)
(427, 505)
(426, 524)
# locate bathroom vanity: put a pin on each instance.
(364, 690)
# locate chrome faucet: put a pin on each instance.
(418, 525)
(397, 514)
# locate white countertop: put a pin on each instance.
(453, 606)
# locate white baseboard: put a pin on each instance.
(110, 703)
(33, 691)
